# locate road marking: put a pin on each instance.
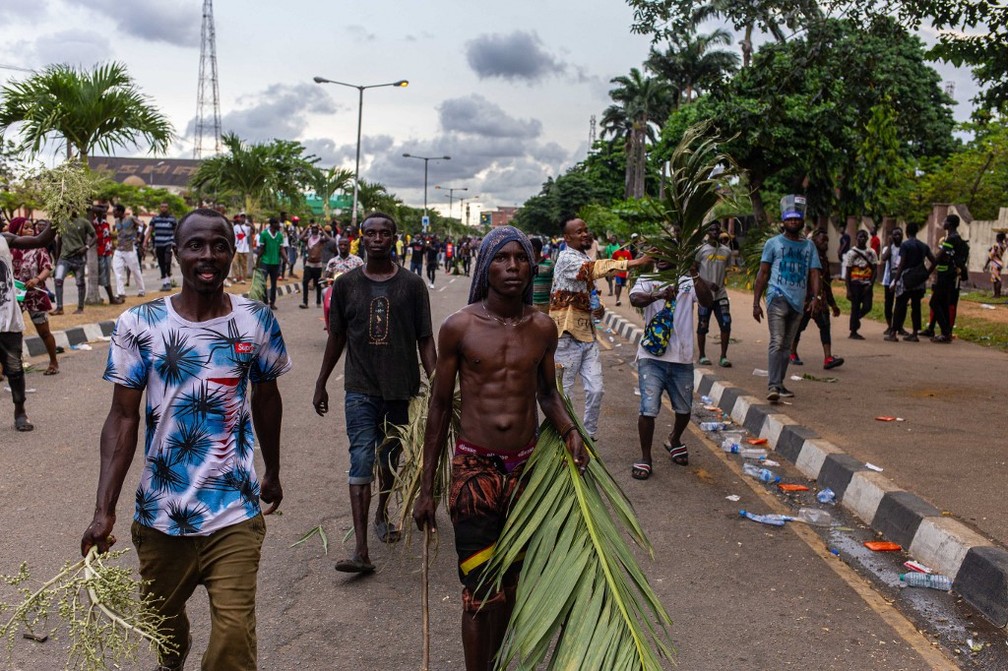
(932, 655)
(452, 280)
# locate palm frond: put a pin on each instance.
(406, 486)
(581, 589)
(699, 173)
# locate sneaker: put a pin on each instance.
(303, 306)
(795, 360)
(941, 339)
(141, 294)
(854, 335)
(902, 332)
(891, 337)
(832, 362)
(927, 333)
(911, 338)
(785, 392)
(431, 285)
(773, 395)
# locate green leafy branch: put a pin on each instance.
(104, 612)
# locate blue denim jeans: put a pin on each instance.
(582, 358)
(366, 418)
(783, 321)
(675, 379)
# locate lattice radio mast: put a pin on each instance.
(591, 133)
(207, 81)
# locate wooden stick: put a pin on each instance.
(425, 600)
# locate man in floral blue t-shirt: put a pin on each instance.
(197, 518)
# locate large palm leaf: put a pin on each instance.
(699, 173)
(98, 109)
(581, 589)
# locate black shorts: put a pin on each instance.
(721, 314)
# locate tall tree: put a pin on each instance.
(259, 175)
(693, 64)
(98, 109)
(640, 104)
(327, 183)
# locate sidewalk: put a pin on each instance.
(77, 335)
(941, 493)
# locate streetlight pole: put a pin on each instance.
(451, 191)
(402, 83)
(426, 160)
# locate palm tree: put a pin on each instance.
(691, 64)
(260, 174)
(98, 109)
(640, 103)
(326, 183)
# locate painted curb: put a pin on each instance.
(77, 335)
(979, 567)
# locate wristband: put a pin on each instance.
(568, 429)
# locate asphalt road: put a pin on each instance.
(741, 595)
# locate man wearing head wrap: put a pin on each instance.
(570, 307)
(501, 350)
(11, 322)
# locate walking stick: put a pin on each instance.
(425, 601)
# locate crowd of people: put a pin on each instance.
(207, 362)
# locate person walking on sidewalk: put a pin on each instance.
(125, 258)
(33, 267)
(890, 261)
(105, 248)
(858, 273)
(379, 313)
(909, 281)
(669, 369)
(788, 272)
(270, 256)
(995, 262)
(71, 253)
(198, 519)
(161, 231)
(712, 264)
(243, 241)
(433, 252)
(826, 303)
(577, 352)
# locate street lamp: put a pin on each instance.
(451, 191)
(402, 83)
(426, 160)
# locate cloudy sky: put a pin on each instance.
(506, 89)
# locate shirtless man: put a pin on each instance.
(501, 348)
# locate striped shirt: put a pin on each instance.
(164, 230)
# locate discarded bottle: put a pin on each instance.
(594, 303)
(773, 519)
(815, 517)
(712, 426)
(826, 496)
(761, 474)
(932, 580)
(752, 453)
(707, 400)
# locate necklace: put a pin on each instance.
(501, 320)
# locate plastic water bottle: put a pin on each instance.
(772, 519)
(707, 400)
(932, 580)
(815, 517)
(731, 445)
(752, 453)
(712, 426)
(594, 303)
(826, 496)
(761, 474)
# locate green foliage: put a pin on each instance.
(691, 64)
(66, 190)
(640, 103)
(700, 172)
(139, 199)
(255, 177)
(104, 614)
(582, 597)
(879, 167)
(327, 183)
(99, 109)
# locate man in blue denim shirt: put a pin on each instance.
(380, 313)
(788, 268)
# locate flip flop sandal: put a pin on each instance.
(23, 424)
(679, 454)
(725, 363)
(51, 371)
(704, 361)
(387, 533)
(354, 565)
(640, 471)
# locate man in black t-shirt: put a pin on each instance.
(381, 315)
(416, 255)
(909, 280)
(432, 250)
